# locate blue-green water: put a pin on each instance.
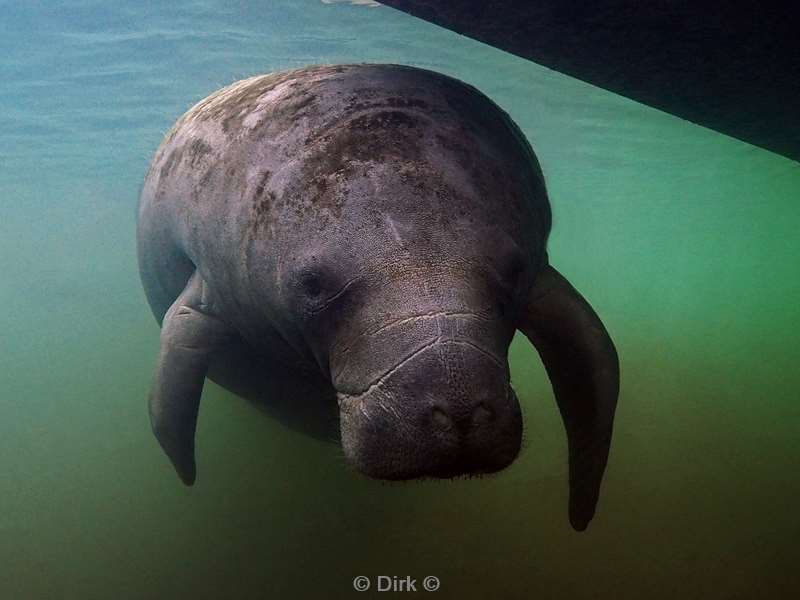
(685, 241)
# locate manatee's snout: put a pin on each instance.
(447, 410)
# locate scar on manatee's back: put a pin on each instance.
(194, 151)
(197, 150)
(174, 158)
(261, 210)
(262, 182)
(263, 201)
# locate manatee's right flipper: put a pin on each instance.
(190, 334)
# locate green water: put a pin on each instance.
(685, 241)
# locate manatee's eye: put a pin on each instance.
(318, 289)
(311, 284)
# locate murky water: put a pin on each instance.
(685, 241)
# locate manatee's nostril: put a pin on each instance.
(441, 418)
(482, 413)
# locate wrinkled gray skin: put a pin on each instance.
(367, 238)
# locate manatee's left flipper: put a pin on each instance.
(583, 367)
(190, 334)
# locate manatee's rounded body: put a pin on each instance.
(372, 234)
(258, 176)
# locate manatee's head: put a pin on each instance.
(412, 230)
(416, 347)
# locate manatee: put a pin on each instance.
(352, 248)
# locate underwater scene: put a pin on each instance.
(685, 241)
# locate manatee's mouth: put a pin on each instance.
(391, 438)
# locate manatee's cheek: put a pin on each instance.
(421, 420)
